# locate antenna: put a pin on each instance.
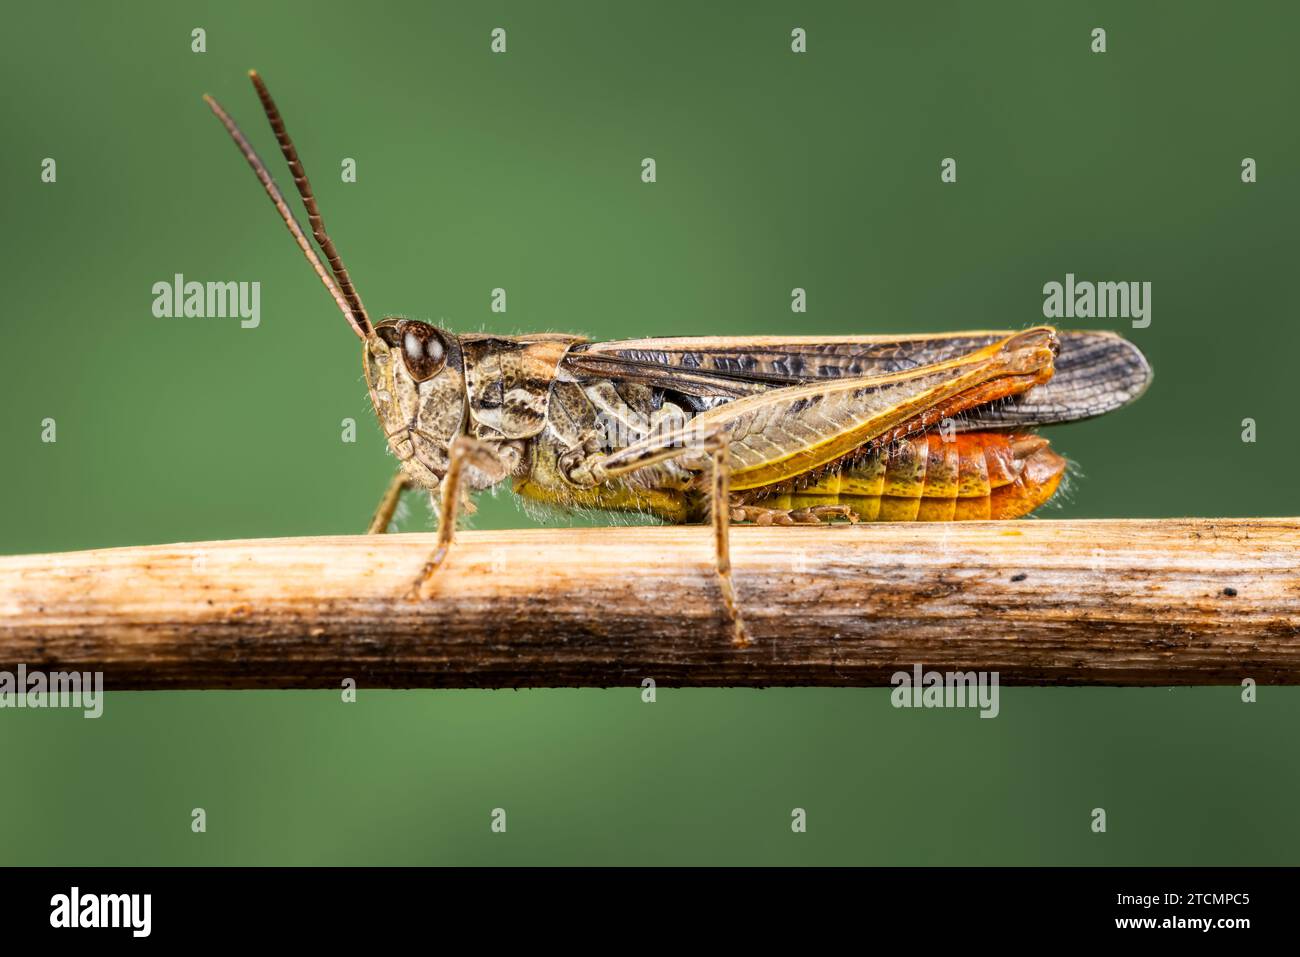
(346, 298)
(308, 198)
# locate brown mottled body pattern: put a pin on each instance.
(934, 476)
(812, 447)
(519, 398)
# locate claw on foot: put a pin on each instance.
(739, 633)
(419, 591)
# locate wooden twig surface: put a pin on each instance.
(1203, 601)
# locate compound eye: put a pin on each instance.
(423, 351)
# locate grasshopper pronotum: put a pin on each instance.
(769, 430)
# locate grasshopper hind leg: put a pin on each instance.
(813, 515)
(712, 450)
(721, 515)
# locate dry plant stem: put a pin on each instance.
(1196, 601)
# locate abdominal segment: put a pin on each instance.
(972, 475)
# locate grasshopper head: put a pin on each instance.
(415, 372)
(417, 385)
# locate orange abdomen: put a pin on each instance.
(974, 475)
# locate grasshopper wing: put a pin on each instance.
(781, 433)
(1096, 372)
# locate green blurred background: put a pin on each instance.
(521, 170)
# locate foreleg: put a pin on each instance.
(463, 451)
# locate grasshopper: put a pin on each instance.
(783, 430)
